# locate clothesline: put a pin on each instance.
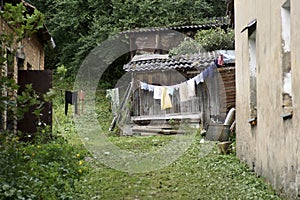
(200, 78)
(187, 89)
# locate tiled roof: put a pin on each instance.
(198, 61)
(211, 23)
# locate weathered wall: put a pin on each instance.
(228, 90)
(34, 53)
(271, 147)
(31, 47)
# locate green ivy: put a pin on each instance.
(22, 23)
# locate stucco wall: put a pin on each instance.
(271, 147)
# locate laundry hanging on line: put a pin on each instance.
(191, 88)
(200, 78)
(71, 98)
(187, 89)
(113, 95)
(183, 92)
(165, 99)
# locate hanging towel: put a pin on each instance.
(211, 70)
(191, 88)
(183, 92)
(176, 87)
(199, 78)
(170, 90)
(205, 73)
(144, 86)
(113, 95)
(165, 99)
(150, 88)
(70, 98)
(157, 92)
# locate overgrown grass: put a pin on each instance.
(62, 168)
(192, 176)
(39, 170)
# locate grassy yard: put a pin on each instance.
(191, 176)
(60, 167)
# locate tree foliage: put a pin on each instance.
(22, 23)
(206, 40)
(215, 39)
(79, 25)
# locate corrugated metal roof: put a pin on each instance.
(198, 61)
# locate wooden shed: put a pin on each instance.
(199, 90)
(153, 71)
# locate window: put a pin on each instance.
(286, 26)
(10, 64)
(20, 63)
(251, 27)
(252, 67)
(286, 58)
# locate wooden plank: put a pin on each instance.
(160, 131)
(168, 116)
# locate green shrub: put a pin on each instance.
(215, 39)
(206, 40)
(40, 170)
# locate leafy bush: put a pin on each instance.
(188, 46)
(215, 39)
(41, 170)
(206, 40)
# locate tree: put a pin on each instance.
(79, 25)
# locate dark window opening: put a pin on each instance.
(10, 64)
(20, 63)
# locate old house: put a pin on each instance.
(25, 64)
(267, 79)
(179, 88)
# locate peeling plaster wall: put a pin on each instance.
(271, 148)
